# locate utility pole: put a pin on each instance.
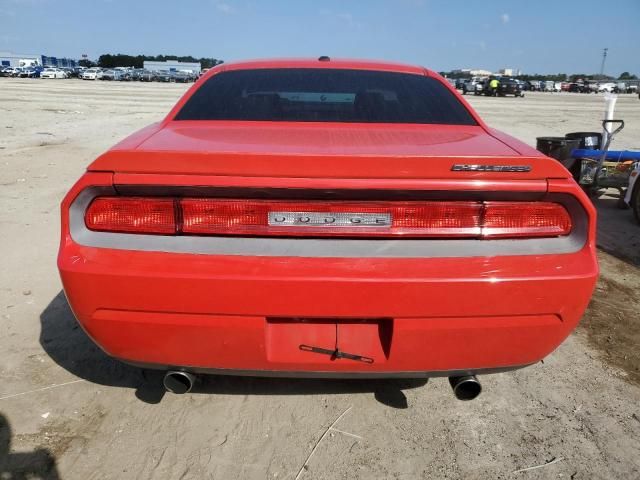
(604, 58)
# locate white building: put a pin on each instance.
(510, 72)
(172, 66)
(8, 59)
(474, 72)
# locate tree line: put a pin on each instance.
(109, 60)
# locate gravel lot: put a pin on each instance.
(68, 411)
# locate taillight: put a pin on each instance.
(132, 215)
(429, 219)
(531, 219)
(370, 219)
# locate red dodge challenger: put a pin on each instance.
(326, 218)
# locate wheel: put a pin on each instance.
(635, 202)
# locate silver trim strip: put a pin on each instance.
(329, 219)
(326, 247)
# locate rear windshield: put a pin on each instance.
(325, 95)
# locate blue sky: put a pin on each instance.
(537, 36)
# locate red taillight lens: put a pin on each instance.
(132, 215)
(433, 219)
(531, 219)
(333, 219)
(213, 216)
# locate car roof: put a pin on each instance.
(329, 64)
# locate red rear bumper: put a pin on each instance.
(253, 313)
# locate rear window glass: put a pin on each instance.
(325, 95)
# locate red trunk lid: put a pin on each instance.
(312, 150)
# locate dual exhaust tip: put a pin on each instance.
(179, 382)
(466, 387)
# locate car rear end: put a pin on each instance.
(275, 247)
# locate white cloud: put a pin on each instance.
(224, 7)
(504, 18)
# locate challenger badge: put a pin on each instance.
(461, 167)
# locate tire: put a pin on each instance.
(635, 202)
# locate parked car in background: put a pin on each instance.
(525, 85)
(113, 74)
(575, 87)
(183, 77)
(473, 85)
(164, 76)
(147, 76)
(336, 218)
(606, 87)
(620, 87)
(135, 73)
(125, 73)
(536, 85)
(14, 71)
(508, 86)
(31, 72)
(78, 71)
(53, 73)
(93, 73)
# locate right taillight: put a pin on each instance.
(520, 219)
(282, 218)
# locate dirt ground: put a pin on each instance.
(68, 411)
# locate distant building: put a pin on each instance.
(510, 72)
(172, 66)
(58, 62)
(8, 59)
(473, 72)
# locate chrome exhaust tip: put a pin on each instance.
(178, 382)
(466, 387)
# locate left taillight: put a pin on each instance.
(132, 215)
(391, 219)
